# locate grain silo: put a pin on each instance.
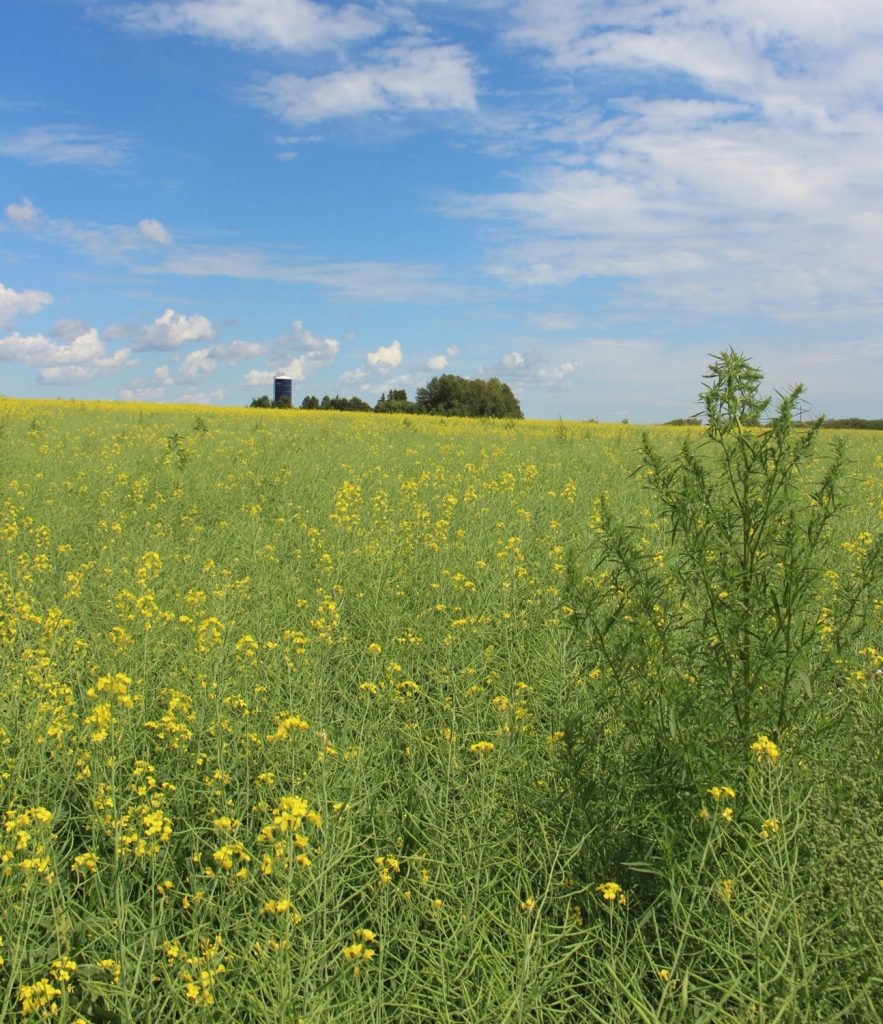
(282, 391)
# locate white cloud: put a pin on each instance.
(437, 363)
(198, 363)
(264, 378)
(556, 374)
(171, 330)
(386, 356)
(554, 321)
(319, 350)
(316, 352)
(66, 144)
(764, 195)
(453, 351)
(356, 376)
(155, 231)
(367, 280)
(511, 360)
(237, 351)
(142, 393)
(213, 397)
(298, 26)
(14, 304)
(83, 359)
(418, 77)
(104, 242)
(23, 213)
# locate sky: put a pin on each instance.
(585, 198)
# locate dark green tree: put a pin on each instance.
(450, 395)
(395, 401)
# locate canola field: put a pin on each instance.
(300, 723)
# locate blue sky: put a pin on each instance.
(583, 198)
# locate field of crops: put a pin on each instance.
(308, 717)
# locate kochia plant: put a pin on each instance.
(708, 624)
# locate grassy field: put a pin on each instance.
(307, 717)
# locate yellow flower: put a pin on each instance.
(718, 791)
(39, 998)
(481, 748)
(612, 891)
(769, 828)
(85, 864)
(764, 747)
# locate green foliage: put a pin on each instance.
(403, 593)
(265, 402)
(449, 395)
(853, 423)
(396, 400)
(722, 617)
(717, 632)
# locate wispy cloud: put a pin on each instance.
(740, 168)
(362, 280)
(103, 242)
(296, 26)
(404, 77)
(66, 144)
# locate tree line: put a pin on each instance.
(447, 395)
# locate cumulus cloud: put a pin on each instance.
(171, 330)
(23, 213)
(316, 352)
(198, 363)
(155, 231)
(66, 144)
(387, 356)
(14, 304)
(405, 78)
(237, 351)
(319, 350)
(534, 369)
(82, 359)
(556, 374)
(437, 363)
(264, 378)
